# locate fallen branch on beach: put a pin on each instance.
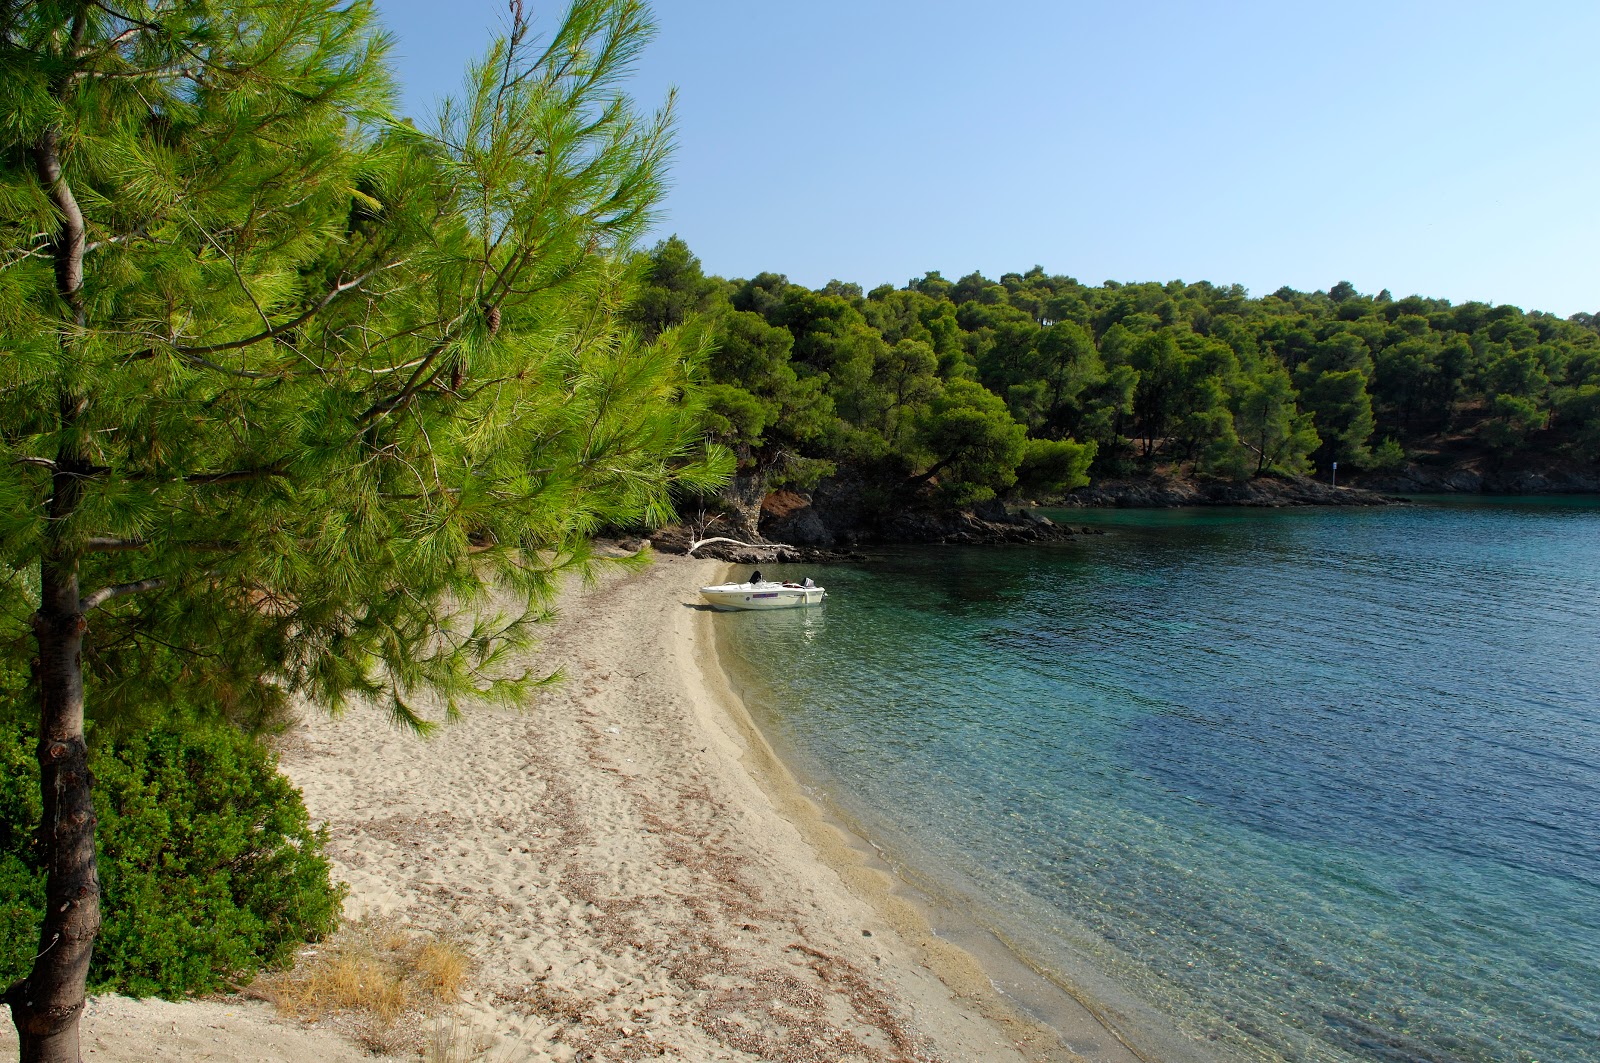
(772, 548)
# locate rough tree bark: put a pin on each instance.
(45, 1005)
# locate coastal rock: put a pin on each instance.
(741, 505)
(1536, 475)
(996, 525)
(847, 510)
(1264, 491)
(1418, 480)
(787, 516)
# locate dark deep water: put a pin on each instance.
(1313, 784)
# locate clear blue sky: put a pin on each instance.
(1446, 149)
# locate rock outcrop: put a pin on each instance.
(1482, 477)
(846, 511)
(741, 505)
(1265, 491)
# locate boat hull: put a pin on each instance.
(730, 596)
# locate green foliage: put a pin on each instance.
(1513, 417)
(801, 473)
(337, 374)
(1518, 373)
(675, 289)
(736, 416)
(1191, 374)
(21, 880)
(1268, 423)
(209, 868)
(1054, 466)
(1339, 402)
(970, 442)
(1579, 410)
(1387, 456)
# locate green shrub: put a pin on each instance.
(21, 880)
(1387, 456)
(1513, 418)
(209, 868)
(1052, 467)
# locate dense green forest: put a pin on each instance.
(1027, 383)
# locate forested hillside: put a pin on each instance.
(1029, 383)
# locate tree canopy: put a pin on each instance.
(1122, 378)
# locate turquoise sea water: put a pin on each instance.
(1309, 784)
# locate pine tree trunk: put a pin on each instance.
(45, 1006)
(1262, 464)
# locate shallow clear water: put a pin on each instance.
(1312, 784)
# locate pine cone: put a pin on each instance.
(493, 318)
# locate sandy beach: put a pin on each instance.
(632, 872)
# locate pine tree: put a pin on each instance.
(288, 386)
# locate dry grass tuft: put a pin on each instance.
(378, 981)
(443, 968)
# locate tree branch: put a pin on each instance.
(109, 544)
(419, 379)
(234, 476)
(272, 332)
(105, 594)
(120, 238)
(114, 13)
(698, 543)
(180, 69)
(204, 478)
(68, 243)
(206, 363)
(22, 254)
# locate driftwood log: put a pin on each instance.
(772, 548)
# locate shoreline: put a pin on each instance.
(1077, 1015)
(635, 872)
(860, 864)
(1171, 492)
(607, 857)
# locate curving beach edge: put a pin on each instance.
(632, 870)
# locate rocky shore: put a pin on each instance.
(794, 527)
(849, 511)
(1481, 478)
(1271, 492)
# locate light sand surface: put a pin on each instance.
(119, 1030)
(634, 873)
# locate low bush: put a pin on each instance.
(209, 867)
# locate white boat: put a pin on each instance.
(763, 595)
